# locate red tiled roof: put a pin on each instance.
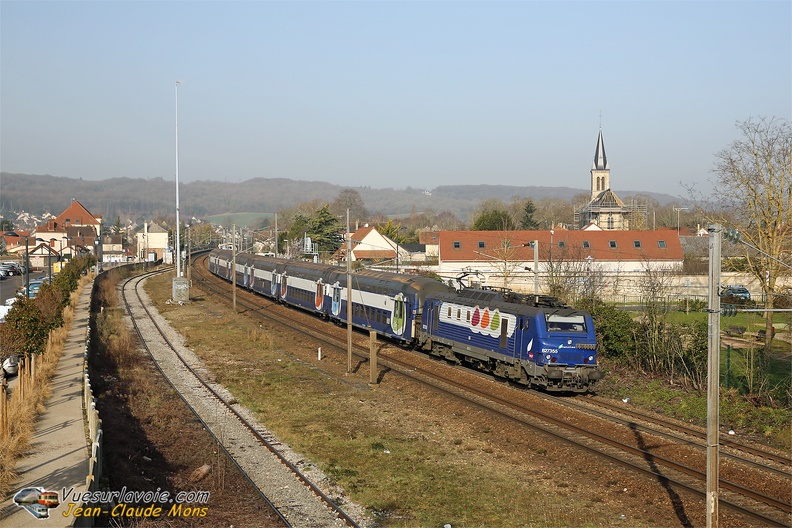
(428, 237)
(76, 214)
(567, 245)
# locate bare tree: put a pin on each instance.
(350, 199)
(502, 254)
(754, 189)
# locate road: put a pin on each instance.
(10, 285)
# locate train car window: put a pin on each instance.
(459, 313)
(468, 315)
(527, 324)
(565, 323)
(449, 312)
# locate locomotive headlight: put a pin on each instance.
(591, 358)
(547, 357)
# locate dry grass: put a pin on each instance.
(23, 412)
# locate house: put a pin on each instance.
(430, 240)
(74, 231)
(369, 246)
(521, 259)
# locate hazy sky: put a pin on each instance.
(388, 94)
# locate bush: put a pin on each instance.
(693, 305)
(614, 329)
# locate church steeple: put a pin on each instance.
(600, 160)
(600, 170)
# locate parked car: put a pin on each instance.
(11, 268)
(735, 294)
(11, 365)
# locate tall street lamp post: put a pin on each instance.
(62, 247)
(535, 246)
(49, 256)
(677, 209)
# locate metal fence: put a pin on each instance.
(94, 425)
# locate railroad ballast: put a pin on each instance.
(532, 340)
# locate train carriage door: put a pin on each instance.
(336, 303)
(399, 315)
(319, 298)
(284, 288)
(435, 317)
(275, 285)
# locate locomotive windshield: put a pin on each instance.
(565, 323)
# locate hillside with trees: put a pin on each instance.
(137, 199)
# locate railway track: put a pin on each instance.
(257, 455)
(634, 447)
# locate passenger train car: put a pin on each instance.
(532, 340)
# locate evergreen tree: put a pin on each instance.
(527, 221)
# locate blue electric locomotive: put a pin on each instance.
(532, 340)
(535, 341)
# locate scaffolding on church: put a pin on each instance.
(634, 213)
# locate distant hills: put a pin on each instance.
(136, 199)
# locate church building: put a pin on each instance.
(606, 211)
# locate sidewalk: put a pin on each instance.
(59, 453)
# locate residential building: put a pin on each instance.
(152, 243)
(508, 258)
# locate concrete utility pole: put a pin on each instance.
(233, 265)
(713, 375)
(349, 296)
(181, 285)
(536, 267)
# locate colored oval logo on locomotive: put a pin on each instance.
(478, 320)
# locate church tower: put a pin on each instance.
(600, 170)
